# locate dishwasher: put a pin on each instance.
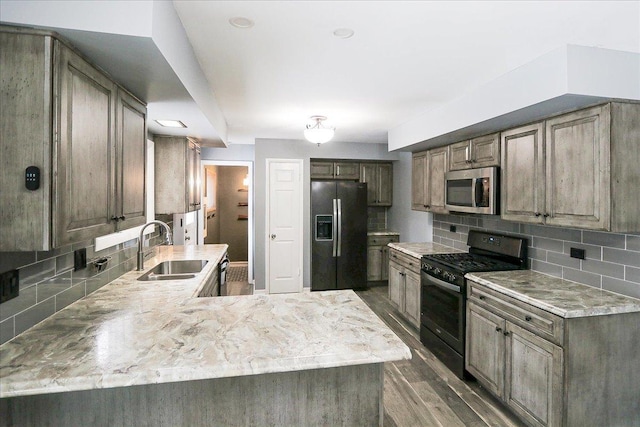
(222, 272)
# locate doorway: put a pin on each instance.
(228, 211)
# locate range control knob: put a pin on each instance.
(427, 267)
(437, 271)
(450, 276)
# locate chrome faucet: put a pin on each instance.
(169, 240)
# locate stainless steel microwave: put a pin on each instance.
(472, 190)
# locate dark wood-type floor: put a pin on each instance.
(422, 391)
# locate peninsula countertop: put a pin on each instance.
(416, 250)
(558, 296)
(133, 333)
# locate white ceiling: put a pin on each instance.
(404, 59)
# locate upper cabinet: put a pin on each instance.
(330, 169)
(476, 153)
(427, 180)
(379, 179)
(177, 178)
(576, 170)
(82, 138)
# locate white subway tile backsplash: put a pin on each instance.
(612, 259)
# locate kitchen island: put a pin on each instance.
(152, 353)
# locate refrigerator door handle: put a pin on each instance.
(333, 230)
(339, 226)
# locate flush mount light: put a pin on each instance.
(343, 33)
(241, 22)
(316, 132)
(171, 123)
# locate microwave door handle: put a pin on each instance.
(478, 191)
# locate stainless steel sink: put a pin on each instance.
(174, 270)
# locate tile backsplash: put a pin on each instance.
(48, 282)
(612, 261)
(376, 218)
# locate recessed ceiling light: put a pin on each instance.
(241, 22)
(171, 123)
(343, 33)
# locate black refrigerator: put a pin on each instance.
(339, 240)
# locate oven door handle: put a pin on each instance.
(442, 284)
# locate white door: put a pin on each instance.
(284, 226)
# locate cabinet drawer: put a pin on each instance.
(405, 260)
(381, 240)
(540, 322)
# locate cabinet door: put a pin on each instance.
(374, 263)
(533, 377)
(437, 166)
(396, 285)
(484, 357)
(369, 174)
(131, 142)
(193, 177)
(412, 297)
(485, 151)
(419, 181)
(322, 170)
(347, 170)
(385, 184)
(85, 150)
(460, 156)
(577, 169)
(522, 174)
(384, 265)
(25, 138)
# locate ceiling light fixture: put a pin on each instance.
(343, 33)
(317, 133)
(171, 123)
(241, 22)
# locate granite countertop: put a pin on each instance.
(558, 296)
(133, 333)
(382, 233)
(416, 250)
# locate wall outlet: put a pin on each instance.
(452, 228)
(80, 259)
(576, 253)
(10, 285)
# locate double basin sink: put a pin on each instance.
(174, 270)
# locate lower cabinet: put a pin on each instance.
(516, 365)
(550, 370)
(404, 285)
(212, 287)
(378, 256)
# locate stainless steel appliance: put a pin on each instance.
(339, 237)
(222, 272)
(443, 305)
(472, 190)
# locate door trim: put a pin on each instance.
(300, 163)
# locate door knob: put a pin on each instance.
(273, 237)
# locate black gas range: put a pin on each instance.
(443, 305)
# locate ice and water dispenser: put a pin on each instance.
(324, 227)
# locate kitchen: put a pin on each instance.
(614, 268)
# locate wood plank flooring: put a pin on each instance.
(422, 391)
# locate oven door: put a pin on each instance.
(443, 310)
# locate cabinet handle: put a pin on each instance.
(122, 218)
(506, 333)
(481, 297)
(527, 318)
(411, 264)
(545, 215)
(537, 214)
(498, 329)
(427, 206)
(115, 218)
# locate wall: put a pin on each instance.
(612, 260)
(232, 231)
(413, 226)
(295, 149)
